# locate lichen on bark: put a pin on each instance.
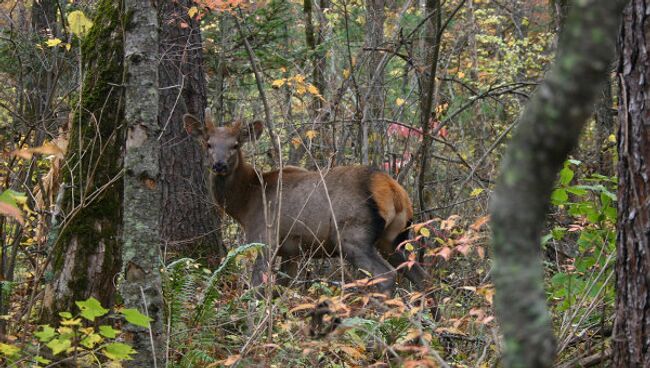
(548, 129)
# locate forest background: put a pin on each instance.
(428, 91)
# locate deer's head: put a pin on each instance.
(221, 145)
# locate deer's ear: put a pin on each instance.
(251, 132)
(193, 126)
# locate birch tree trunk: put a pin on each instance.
(141, 288)
(547, 132)
(631, 340)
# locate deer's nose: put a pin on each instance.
(220, 167)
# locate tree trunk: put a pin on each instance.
(86, 250)
(631, 340)
(428, 89)
(190, 224)
(142, 288)
(374, 101)
(604, 127)
(547, 132)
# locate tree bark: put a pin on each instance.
(428, 88)
(631, 342)
(86, 249)
(142, 288)
(548, 130)
(190, 224)
(376, 16)
(605, 124)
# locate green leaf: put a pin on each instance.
(566, 175)
(91, 308)
(135, 317)
(576, 190)
(59, 345)
(66, 315)
(559, 196)
(118, 351)
(40, 359)
(108, 331)
(46, 334)
(9, 350)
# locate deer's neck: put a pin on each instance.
(233, 192)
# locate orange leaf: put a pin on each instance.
(476, 226)
(11, 211)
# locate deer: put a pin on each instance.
(355, 212)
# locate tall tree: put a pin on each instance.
(86, 248)
(374, 94)
(142, 287)
(632, 328)
(189, 221)
(548, 130)
(428, 87)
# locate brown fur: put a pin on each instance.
(348, 208)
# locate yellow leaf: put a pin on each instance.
(425, 232)
(311, 134)
(612, 138)
(346, 73)
(476, 192)
(192, 11)
(409, 247)
(283, 69)
(461, 75)
(299, 78)
(71, 322)
(277, 83)
(399, 101)
(312, 89)
(68, 46)
(79, 23)
(296, 142)
(53, 42)
(300, 90)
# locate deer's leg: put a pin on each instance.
(359, 251)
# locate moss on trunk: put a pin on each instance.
(86, 250)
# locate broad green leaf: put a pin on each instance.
(46, 334)
(40, 359)
(91, 308)
(566, 175)
(58, 345)
(135, 317)
(118, 351)
(79, 23)
(67, 315)
(108, 331)
(9, 350)
(559, 196)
